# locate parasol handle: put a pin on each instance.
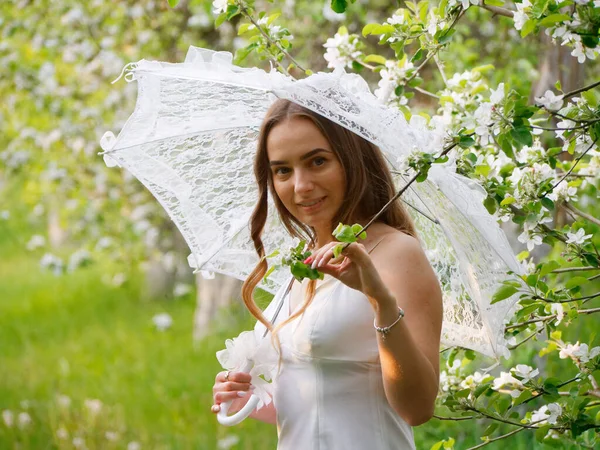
(239, 416)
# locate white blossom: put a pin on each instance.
(547, 414)
(111, 436)
(559, 310)
(35, 242)
(63, 401)
(550, 100)
(530, 238)
(77, 259)
(162, 321)
(94, 406)
(330, 14)
(181, 289)
(579, 237)
(24, 419)
(62, 433)
(390, 77)
(520, 16)
(341, 49)
(8, 418)
(525, 372)
(227, 442)
(53, 263)
(473, 380)
(78, 442)
(507, 380)
(220, 6)
(578, 351)
(563, 191)
(497, 95)
(134, 445)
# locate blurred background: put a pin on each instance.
(107, 339)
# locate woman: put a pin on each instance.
(343, 384)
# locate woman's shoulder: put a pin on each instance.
(396, 249)
(393, 239)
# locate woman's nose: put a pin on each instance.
(303, 182)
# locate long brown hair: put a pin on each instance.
(369, 186)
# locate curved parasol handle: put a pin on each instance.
(238, 417)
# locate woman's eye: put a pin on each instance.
(281, 171)
(319, 161)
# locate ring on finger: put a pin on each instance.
(227, 375)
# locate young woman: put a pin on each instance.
(343, 384)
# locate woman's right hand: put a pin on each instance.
(236, 388)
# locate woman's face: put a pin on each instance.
(307, 175)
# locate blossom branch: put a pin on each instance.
(458, 419)
(245, 12)
(434, 51)
(576, 211)
(575, 269)
(550, 317)
(577, 91)
(497, 10)
(504, 436)
(572, 167)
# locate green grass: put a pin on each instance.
(75, 336)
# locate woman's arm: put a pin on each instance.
(410, 352)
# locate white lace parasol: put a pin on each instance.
(191, 142)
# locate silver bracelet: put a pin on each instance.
(385, 330)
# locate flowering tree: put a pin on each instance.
(58, 59)
(535, 153)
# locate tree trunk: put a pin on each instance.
(212, 295)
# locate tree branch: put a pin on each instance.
(497, 10)
(576, 211)
(572, 167)
(577, 91)
(575, 269)
(272, 42)
(504, 436)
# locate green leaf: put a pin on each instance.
(378, 59)
(522, 135)
(576, 281)
(337, 250)
(173, 3)
(554, 18)
(489, 430)
(548, 204)
(503, 293)
(528, 27)
(419, 55)
(368, 28)
(437, 445)
(356, 228)
(339, 6)
(508, 201)
(541, 432)
(220, 19)
(490, 205)
(446, 36)
(558, 86)
(466, 141)
(548, 267)
(417, 81)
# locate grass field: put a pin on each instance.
(83, 366)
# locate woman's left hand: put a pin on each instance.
(353, 267)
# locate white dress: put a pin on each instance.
(329, 394)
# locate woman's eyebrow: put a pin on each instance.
(302, 158)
